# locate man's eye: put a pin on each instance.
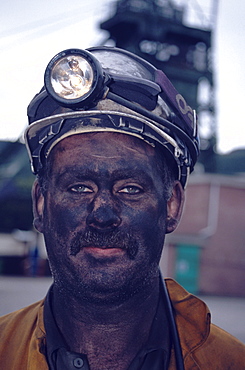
(130, 190)
(80, 189)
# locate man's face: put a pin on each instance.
(103, 215)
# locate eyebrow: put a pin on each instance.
(81, 173)
(122, 174)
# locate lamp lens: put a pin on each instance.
(72, 77)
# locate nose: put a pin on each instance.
(103, 214)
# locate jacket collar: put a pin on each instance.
(192, 317)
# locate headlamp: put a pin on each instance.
(74, 78)
(104, 88)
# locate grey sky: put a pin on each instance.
(32, 33)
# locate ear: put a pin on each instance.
(175, 207)
(38, 206)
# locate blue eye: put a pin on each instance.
(80, 189)
(130, 190)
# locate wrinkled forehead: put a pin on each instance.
(103, 145)
(111, 152)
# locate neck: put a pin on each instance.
(116, 330)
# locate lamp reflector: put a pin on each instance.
(72, 77)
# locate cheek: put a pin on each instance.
(152, 211)
(151, 221)
(63, 221)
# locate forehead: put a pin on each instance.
(112, 147)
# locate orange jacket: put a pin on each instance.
(204, 346)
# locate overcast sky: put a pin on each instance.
(32, 32)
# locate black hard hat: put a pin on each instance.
(113, 90)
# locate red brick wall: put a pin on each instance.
(222, 262)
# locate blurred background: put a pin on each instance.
(199, 45)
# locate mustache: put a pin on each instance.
(111, 239)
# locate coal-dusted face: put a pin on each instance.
(103, 215)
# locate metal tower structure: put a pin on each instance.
(176, 38)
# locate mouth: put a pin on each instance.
(103, 252)
(100, 245)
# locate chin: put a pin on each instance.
(111, 286)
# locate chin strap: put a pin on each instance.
(172, 325)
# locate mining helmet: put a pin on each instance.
(107, 89)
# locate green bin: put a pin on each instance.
(187, 266)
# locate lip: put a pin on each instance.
(104, 252)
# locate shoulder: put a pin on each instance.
(21, 324)
(21, 317)
(225, 341)
(202, 342)
(220, 350)
(21, 338)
